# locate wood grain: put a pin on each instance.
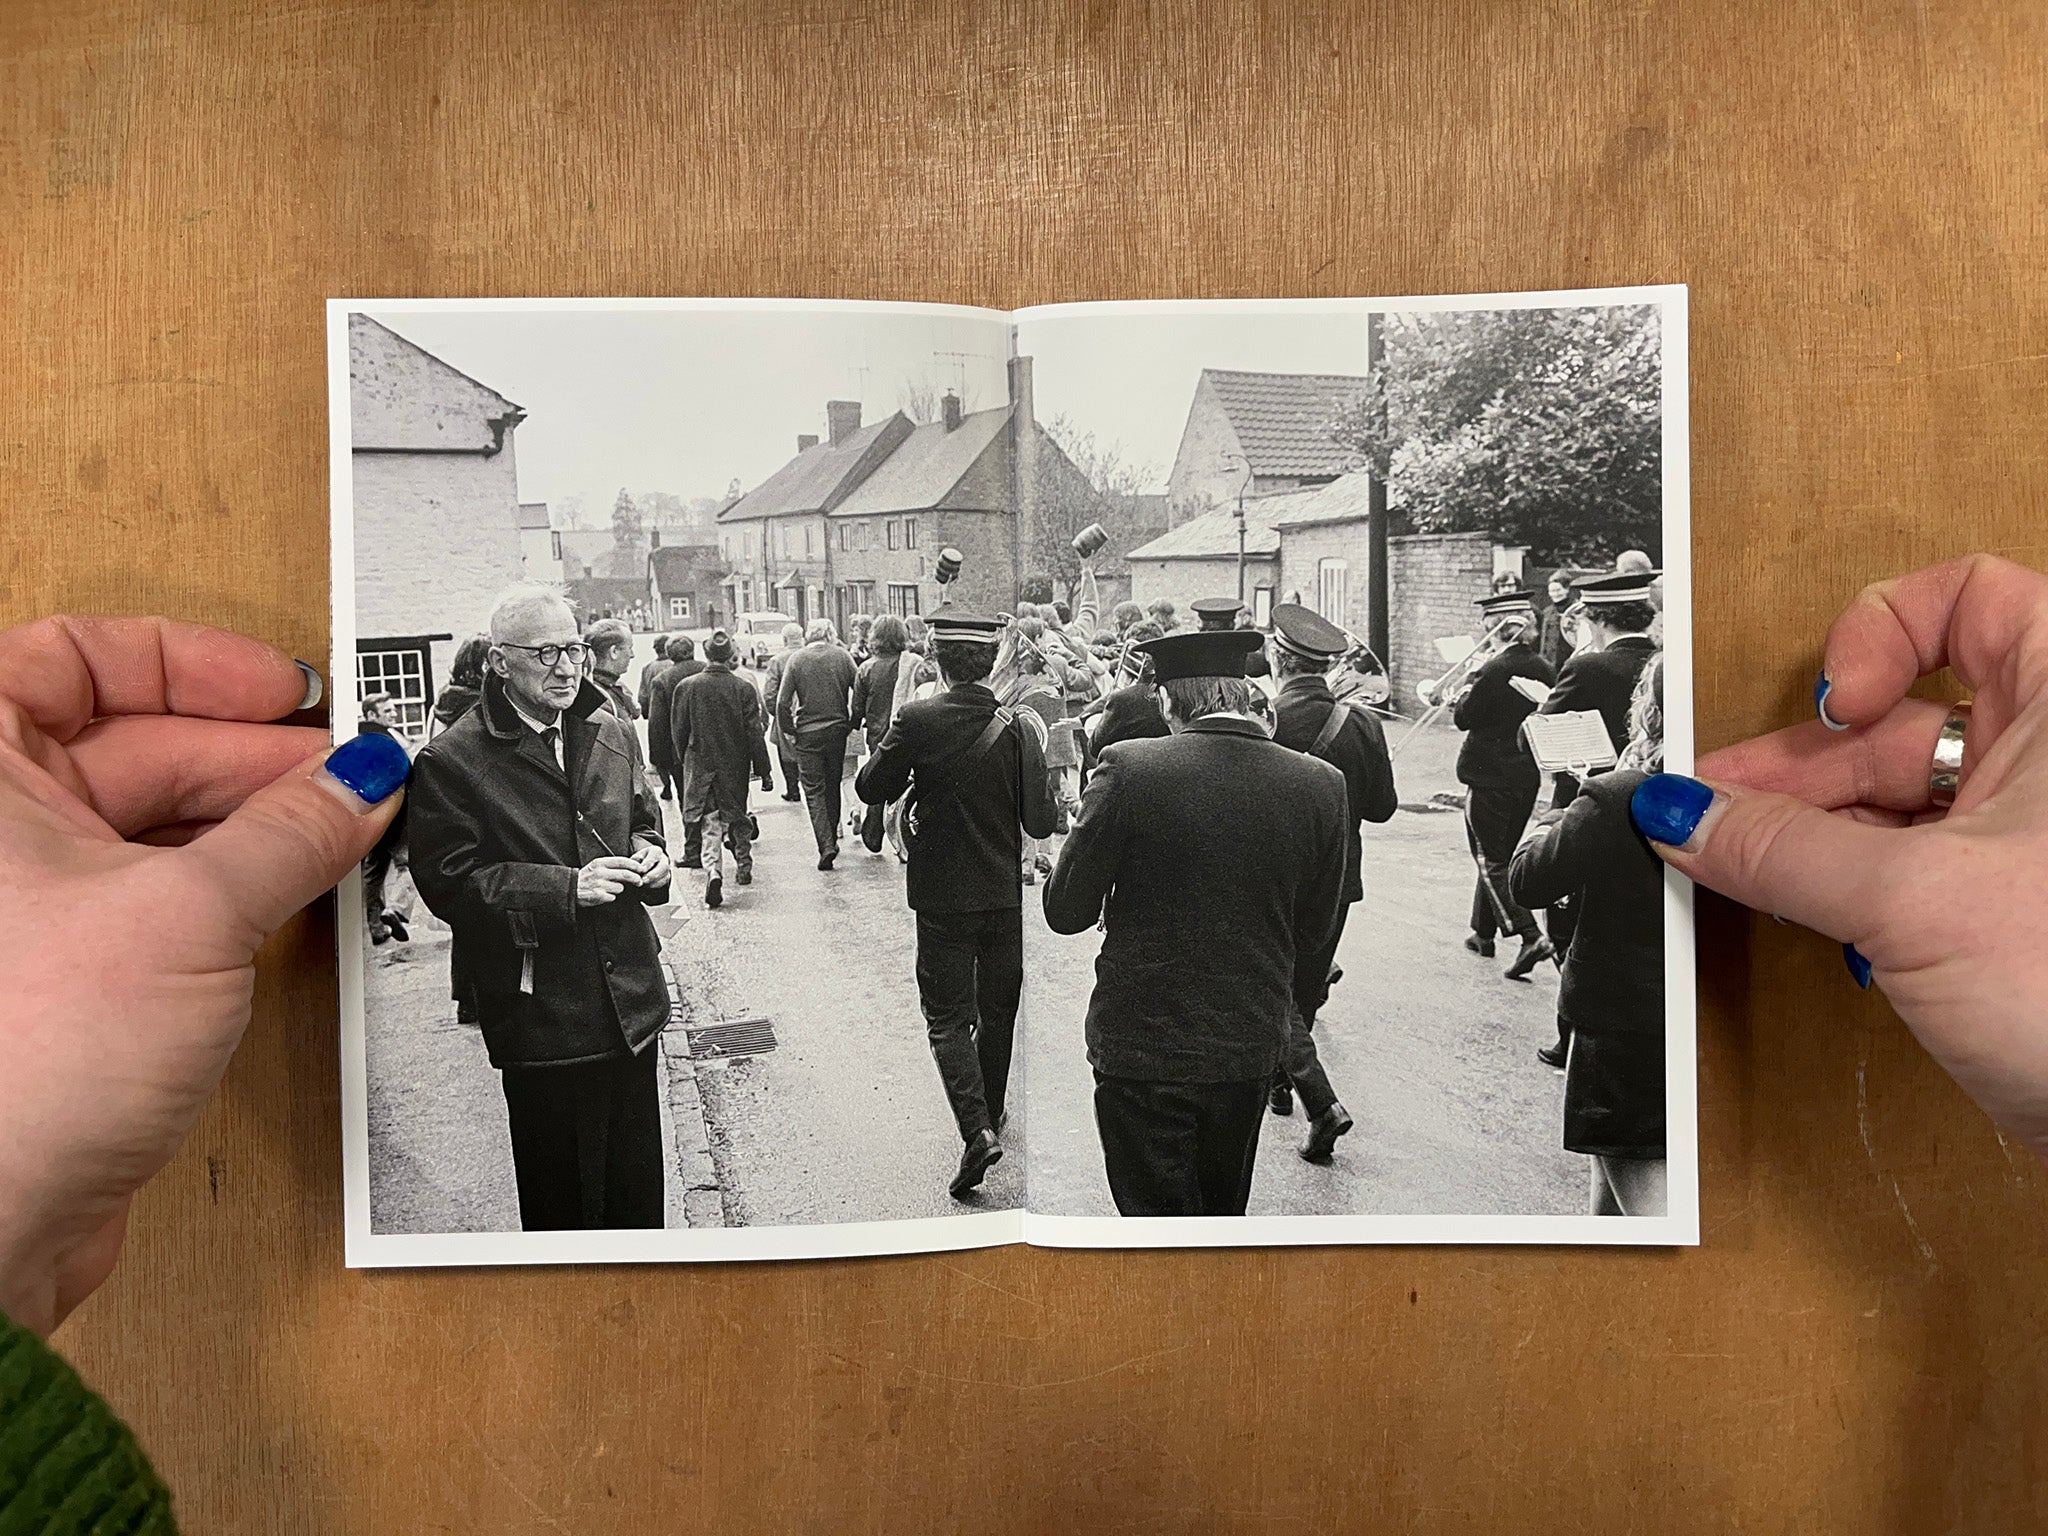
(1853, 192)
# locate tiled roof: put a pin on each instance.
(402, 398)
(1280, 418)
(1342, 500)
(1209, 537)
(925, 467)
(812, 480)
(672, 564)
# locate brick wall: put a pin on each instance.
(1434, 580)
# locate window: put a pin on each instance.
(866, 540)
(808, 530)
(679, 607)
(890, 528)
(845, 542)
(902, 596)
(555, 543)
(1262, 606)
(1333, 589)
(402, 670)
(910, 533)
(747, 546)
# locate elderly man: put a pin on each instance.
(814, 707)
(611, 652)
(536, 838)
(715, 725)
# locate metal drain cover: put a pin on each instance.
(730, 1037)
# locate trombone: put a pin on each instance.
(1441, 693)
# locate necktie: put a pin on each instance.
(551, 738)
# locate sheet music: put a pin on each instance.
(1530, 689)
(1572, 742)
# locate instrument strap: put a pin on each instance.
(1327, 736)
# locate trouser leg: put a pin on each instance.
(740, 833)
(1302, 1065)
(693, 841)
(790, 774)
(946, 944)
(998, 986)
(818, 767)
(1228, 1144)
(1495, 819)
(711, 836)
(1150, 1140)
(633, 1183)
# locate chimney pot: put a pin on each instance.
(805, 441)
(842, 419)
(950, 408)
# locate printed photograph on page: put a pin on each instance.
(1345, 933)
(695, 925)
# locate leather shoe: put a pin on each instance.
(825, 859)
(1280, 1097)
(981, 1153)
(1532, 953)
(395, 923)
(1552, 1055)
(743, 877)
(1481, 947)
(1323, 1132)
(714, 892)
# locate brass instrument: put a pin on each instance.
(1441, 690)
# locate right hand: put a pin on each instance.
(599, 882)
(1835, 828)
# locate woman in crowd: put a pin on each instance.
(1558, 641)
(1610, 998)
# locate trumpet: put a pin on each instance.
(1459, 676)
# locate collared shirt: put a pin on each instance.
(541, 728)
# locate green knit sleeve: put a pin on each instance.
(68, 1467)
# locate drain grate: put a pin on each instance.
(730, 1037)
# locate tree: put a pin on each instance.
(1542, 427)
(1086, 481)
(629, 529)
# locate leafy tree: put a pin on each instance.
(1542, 427)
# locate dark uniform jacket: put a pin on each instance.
(1212, 858)
(1603, 681)
(1613, 981)
(717, 736)
(1131, 713)
(1359, 753)
(1491, 715)
(660, 719)
(969, 852)
(497, 834)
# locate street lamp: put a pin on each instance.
(1243, 486)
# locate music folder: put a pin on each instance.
(1573, 742)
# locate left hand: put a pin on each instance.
(652, 864)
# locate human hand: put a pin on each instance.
(599, 882)
(1835, 828)
(152, 835)
(651, 866)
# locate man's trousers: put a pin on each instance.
(821, 765)
(586, 1142)
(1179, 1149)
(1495, 819)
(970, 974)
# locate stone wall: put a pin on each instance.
(1434, 580)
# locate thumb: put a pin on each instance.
(1772, 852)
(296, 837)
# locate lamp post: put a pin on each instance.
(1243, 486)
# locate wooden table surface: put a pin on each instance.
(1854, 193)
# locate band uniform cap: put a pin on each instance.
(1501, 605)
(951, 625)
(1217, 612)
(1305, 632)
(1625, 587)
(1202, 653)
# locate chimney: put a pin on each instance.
(842, 419)
(1023, 463)
(654, 538)
(950, 408)
(806, 441)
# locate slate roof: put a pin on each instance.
(1280, 418)
(674, 565)
(1343, 500)
(1211, 536)
(814, 479)
(925, 467)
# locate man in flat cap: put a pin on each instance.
(977, 783)
(1500, 774)
(1214, 860)
(1309, 718)
(717, 737)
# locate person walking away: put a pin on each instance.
(536, 838)
(683, 665)
(785, 747)
(1033, 689)
(654, 709)
(1500, 776)
(977, 787)
(1610, 999)
(815, 709)
(720, 746)
(1614, 615)
(874, 706)
(611, 652)
(1214, 860)
(1310, 719)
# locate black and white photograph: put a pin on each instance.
(899, 777)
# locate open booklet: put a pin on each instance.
(638, 976)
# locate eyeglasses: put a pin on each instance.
(548, 655)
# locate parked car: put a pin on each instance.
(759, 636)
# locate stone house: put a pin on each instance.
(1199, 559)
(686, 586)
(434, 494)
(1257, 433)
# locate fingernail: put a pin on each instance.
(1667, 807)
(315, 689)
(370, 768)
(1858, 966)
(1822, 687)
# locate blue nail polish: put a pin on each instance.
(372, 766)
(1667, 807)
(1822, 687)
(1858, 966)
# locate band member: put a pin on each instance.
(977, 785)
(1610, 999)
(719, 743)
(1500, 776)
(380, 718)
(535, 836)
(1214, 860)
(1308, 717)
(1614, 620)
(1217, 613)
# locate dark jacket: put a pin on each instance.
(1359, 753)
(1551, 645)
(1491, 712)
(497, 835)
(1603, 681)
(456, 700)
(651, 674)
(621, 702)
(969, 852)
(816, 693)
(1213, 858)
(717, 738)
(1129, 714)
(874, 694)
(1613, 980)
(660, 703)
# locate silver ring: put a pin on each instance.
(1947, 776)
